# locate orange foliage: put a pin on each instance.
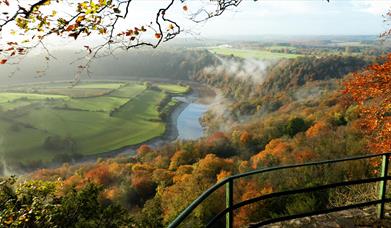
(371, 89)
(179, 158)
(114, 168)
(71, 181)
(251, 190)
(162, 176)
(212, 164)
(182, 172)
(276, 151)
(142, 167)
(185, 169)
(99, 175)
(53, 174)
(161, 161)
(244, 137)
(304, 156)
(179, 178)
(223, 174)
(111, 193)
(143, 149)
(244, 166)
(318, 129)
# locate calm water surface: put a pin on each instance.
(188, 122)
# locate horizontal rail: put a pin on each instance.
(182, 216)
(306, 164)
(292, 192)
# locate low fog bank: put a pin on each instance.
(241, 69)
(175, 64)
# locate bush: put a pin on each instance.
(295, 126)
(37, 204)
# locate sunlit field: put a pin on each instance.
(256, 54)
(59, 120)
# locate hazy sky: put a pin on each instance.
(301, 17)
(264, 17)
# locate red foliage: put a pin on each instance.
(143, 183)
(99, 175)
(216, 137)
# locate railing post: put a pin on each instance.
(229, 187)
(383, 186)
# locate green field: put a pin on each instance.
(41, 126)
(129, 90)
(94, 104)
(171, 88)
(10, 97)
(256, 54)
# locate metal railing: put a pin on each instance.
(230, 206)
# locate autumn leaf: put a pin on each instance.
(158, 35)
(3, 61)
(80, 19)
(71, 28)
(129, 32)
(102, 31)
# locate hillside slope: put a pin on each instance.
(286, 118)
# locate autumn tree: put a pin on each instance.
(38, 204)
(371, 89)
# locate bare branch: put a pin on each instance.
(98, 17)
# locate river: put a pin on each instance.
(184, 124)
(188, 122)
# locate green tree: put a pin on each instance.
(295, 126)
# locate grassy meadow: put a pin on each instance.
(44, 122)
(255, 54)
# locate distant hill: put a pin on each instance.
(177, 64)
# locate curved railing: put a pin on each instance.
(230, 207)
